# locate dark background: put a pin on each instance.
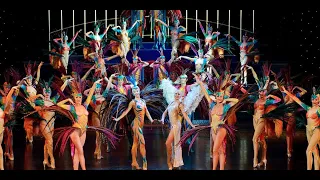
(284, 37)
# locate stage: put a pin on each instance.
(30, 156)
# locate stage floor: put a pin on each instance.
(30, 156)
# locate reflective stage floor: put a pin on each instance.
(30, 156)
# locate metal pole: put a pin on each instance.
(217, 22)
(73, 30)
(95, 16)
(49, 30)
(61, 20)
(115, 17)
(229, 22)
(106, 18)
(168, 24)
(196, 22)
(240, 26)
(207, 17)
(151, 30)
(187, 21)
(85, 23)
(253, 22)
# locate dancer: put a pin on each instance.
(140, 109)
(64, 50)
(97, 104)
(160, 68)
(96, 37)
(312, 127)
(260, 105)
(137, 68)
(31, 96)
(100, 67)
(121, 43)
(177, 38)
(175, 111)
(77, 112)
(219, 107)
(159, 30)
(1, 137)
(48, 119)
(244, 47)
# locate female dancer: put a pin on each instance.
(158, 29)
(65, 48)
(260, 106)
(96, 37)
(31, 94)
(160, 68)
(140, 109)
(47, 124)
(77, 132)
(312, 127)
(244, 47)
(121, 43)
(97, 103)
(176, 112)
(219, 107)
(136, 68)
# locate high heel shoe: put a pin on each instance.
(170, 166)
(263, 162)
(53, 164)
(45, 163)
(145, 166)
(255, 163)
(8, 156)
(135, 166)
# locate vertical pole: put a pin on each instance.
(196, 22)
(207, 18)
(95, 16)
(73, 30)
(168, 20)
(151, 30)
(115, 17)
(187, 21)
(240, 26)
(106, 18)
(85, 23)
(61, 20)
(49, 30)
(253, 22)
(217, 22)
(229, 22)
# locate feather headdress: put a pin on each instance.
(315, 92)
(182, 76)
(30, 69)
(135, 55)
(263, 82)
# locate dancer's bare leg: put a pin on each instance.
(218, 139)
(289, 135)
(96, 123)
(79, 154)
(1, 139)
(169, 149)
(258, 131)
(313, 141)
(28, 127)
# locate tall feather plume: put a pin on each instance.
(77, 67)
(30, 69)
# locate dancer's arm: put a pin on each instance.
(274, 100)
(202, 29)
(185, 116)
(111, 57)
(90, 34)
(110, 85)
(188, 58)
(63, 104)
(106, 30)
(87, 73)
(164, 115)
(134, 24)
(64, 85)
(203, 89)
(232, 101)
(215, 71)
(297, 100)
(254, 74)
(91, 92)
(234, 39)
(302, 91)
(163, 23)
(117, 29)
(125, 112)
(74, 38)
(38, 73)
(56, 40)
(149, 116)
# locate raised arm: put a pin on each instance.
(117, 29)
(302, 91)
(232, 101)
(202, 29)
(110, 85)
(38, 73)
(125, 112)
(111, 57)
(89, 97)
(188, 58)
(203, 89)
(148, 115)
(145, 64)
(163, 23)
(74, 38)
(89, 34)
(134, 24)
(164, 115)
(63, 104)
(87, 73)
(62, 88)
(56, 40)
(215, 71)
(215, 34)
(185, 116)
(254, 74)
(297, 100)
(252, 42)
(106, 30)
(234, 39)
(274, 100)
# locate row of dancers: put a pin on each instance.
(174, 92)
